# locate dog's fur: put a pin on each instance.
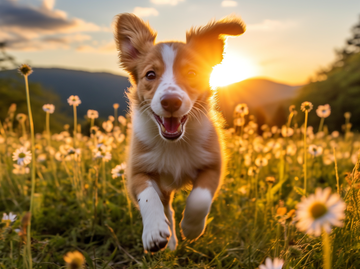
(160, 162)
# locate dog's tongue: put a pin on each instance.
(171, 124)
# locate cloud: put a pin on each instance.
(228, 3)
(166, 2)
(108, 47)
(25, 27)
(145, 11)
(270, 25)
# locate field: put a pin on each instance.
(79, 203)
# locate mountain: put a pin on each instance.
(99, 91)
(261, 95)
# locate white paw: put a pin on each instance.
(172, 242)
(193, 230)
(155, 235)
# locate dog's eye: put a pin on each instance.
(191, 74)
(151, 75)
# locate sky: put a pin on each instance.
(285, 41)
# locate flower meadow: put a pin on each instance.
(289, 198)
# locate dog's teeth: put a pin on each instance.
(162, 120)
(179, 129)
(163, 129)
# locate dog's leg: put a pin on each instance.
(156, 226)
(169, 212)
(198, 203)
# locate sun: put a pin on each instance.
(233, 68)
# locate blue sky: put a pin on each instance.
(286, 41)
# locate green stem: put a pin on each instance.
(28, 243)
(305, 150)
(336, 172)
(75, 125)
(104, 180)
(321, 125)
(116, 117)
(49, 145)
(326, 250)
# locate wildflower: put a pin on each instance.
(20, 169)
(239, 121)
(269, 264)
(306, 106)
(323, 111)
(281, 211)
(118, 171)
(74, 100)
(92, 114)
(21, 117)
(274, 129)
(111, 118)
(287, 131)
(315, 150)
(49, 108)
(22, 156)
(242, 109)
(122, 120)
(107, 125)
(347, 115)
(335, 134)
(320, 211)
(9, 218)
(270, 180)
(105, 155)
(253, 170)
(25, 70)
(116, 106)
(259, 161)
(292, 109)
(74, 260)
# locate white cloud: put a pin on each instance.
(166, 2)
(145, 11)
(228, 3)
(40, 27)
(107, 47)
(270, 25)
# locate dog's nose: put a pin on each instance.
(171, 102)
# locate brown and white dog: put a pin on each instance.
(176, 138)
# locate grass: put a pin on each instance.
(81, 207)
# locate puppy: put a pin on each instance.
(176, 138)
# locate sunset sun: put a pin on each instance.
(232, 69)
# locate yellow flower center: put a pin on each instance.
(317, 210)
(22, 155)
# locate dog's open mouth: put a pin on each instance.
(172, 127)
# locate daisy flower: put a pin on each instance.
(306, 106)
(25, 70)
(260, 161)
(20, 169)
(323, 111)
(287, 131)
(49, 108)
(111, 118)
(74, 260)
(122, 120)
(116, 106)
(315, 150)
(319, 212)
(105, 155)
(269, 264)
(107, 125)
(22, 156)
(242, 109)
(118, 171)
(9, 218)
(74, 100)
(92, 114)
(21, 117)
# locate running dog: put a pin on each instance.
(176, 139)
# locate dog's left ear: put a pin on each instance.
(209, 40)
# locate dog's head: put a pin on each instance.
(171, 79)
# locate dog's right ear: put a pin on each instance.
(133, 39)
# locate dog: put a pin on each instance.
(176, 138)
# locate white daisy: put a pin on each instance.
(92, 114)
(105, 155)
(107, 125)
(49, 108)
(287, 131)
(118, 171)
(315, 150)
(306, 106)
(260, 161)
(242, 109)
(323, 111)
(269, 264)
(20, 169)
(319, 212)
(22, 156)
(74, 100)
(122, 120)
(11, 217)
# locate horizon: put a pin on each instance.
(302, 38)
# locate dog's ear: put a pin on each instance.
(133, 39)
(209, 40)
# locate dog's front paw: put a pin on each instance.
(192, 231)
(155, 236)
